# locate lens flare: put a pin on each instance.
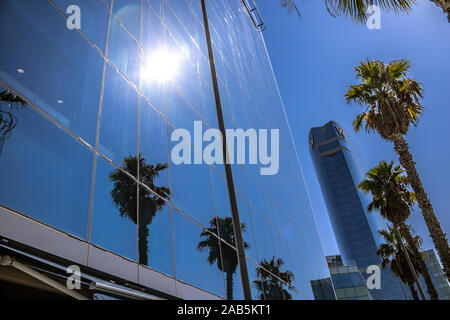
(161, 66)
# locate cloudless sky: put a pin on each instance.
(313, 60)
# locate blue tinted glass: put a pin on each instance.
(157, 78)
(192, 191)
(156, 6)
(221, 197)
(153, 143)
(119, 118)
(153, 89)
(46, 174)
(256, 288)
(94, 18)
(155, 232)
(129, 13)
(114, 210)
(192, 263)
(124, 51)
(186, 79)
(67, 80)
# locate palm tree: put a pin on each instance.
(392, 105)
(8, 121)
(356, 9)
(445, 5)
(272, 281)
(391, 197)
(224, 255)
(125, 197)
(392, 254)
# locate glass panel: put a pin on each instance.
(185, 77)
(153, 147)
(361, 291)
(350, 292)
(197, 265)
(153, 56)
(45, 173)
(94, 18)
(119, 118)
(114, 212)
(192, 192)
(248, 230)
(340, 293)
(129, 13)
(156, 6)
(124, 51)
(221, 198)
(257, 286)
(67, 80)
(155, 232)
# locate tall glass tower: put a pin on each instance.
(91, 93)
(339, 169)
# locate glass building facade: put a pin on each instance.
(437, 275)
(348, 282)
(323, 289)
(339, 169)
(91, 92)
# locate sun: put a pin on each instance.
(162, 65)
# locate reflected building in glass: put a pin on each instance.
(339, 169)
(87, 117)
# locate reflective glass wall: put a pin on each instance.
(91, 93)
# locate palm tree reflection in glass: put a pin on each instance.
(269, 286)
(224, 255)
(125, 197)
(8, 121)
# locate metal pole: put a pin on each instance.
(411, 267)
(229, 175)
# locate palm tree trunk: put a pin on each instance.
(413, 291)
(419, 262)
(403, 290)
(409, 263)
(229, 279)
(437, 235)
(143, 244)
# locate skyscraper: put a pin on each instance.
(339, 170)
(346, 283)
(438, 278)
(91, 92)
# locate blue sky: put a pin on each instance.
(313, 59)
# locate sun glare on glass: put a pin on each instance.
(162, 66)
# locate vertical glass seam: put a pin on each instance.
(94, 165)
